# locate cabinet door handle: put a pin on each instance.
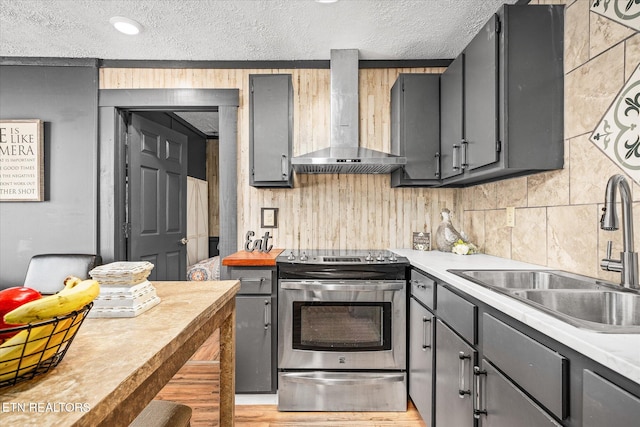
(284, 166)
(251, 279)
(336, 286)
(455, 156)
(462, 388)
(426, 320)
(419, 284)
(267, 314)
(478, 401)
(437, 156)
(464, 146)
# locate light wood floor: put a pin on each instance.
(268, 416)
(197, 385)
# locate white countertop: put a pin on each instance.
(618, 352)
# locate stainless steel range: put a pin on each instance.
(342, 331)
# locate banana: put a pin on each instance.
(39, 348)
(71, 281)
(74, 296)
(13, 348)
(23, 352)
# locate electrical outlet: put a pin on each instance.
(511, 216)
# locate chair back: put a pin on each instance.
(46, 272)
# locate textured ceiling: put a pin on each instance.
(241, 30)
(206, 122)
(256, 30)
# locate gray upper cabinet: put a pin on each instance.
(415, 129)
(513, 88)
(270, 130)
(451, 124)
(479, 146)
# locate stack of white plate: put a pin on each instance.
(124, 289)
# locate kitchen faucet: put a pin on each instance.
(627, 265)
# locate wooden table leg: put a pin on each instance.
(227, 368)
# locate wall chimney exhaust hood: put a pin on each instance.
(344, 155)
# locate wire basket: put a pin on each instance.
(40, 347)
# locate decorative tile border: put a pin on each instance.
(618, 133)
(625, 12)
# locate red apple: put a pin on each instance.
(11, 298)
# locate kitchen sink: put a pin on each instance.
(608, 311)
(528, 279)
(581, 301)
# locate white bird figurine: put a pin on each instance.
(447, 235)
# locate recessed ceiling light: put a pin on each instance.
(126, 25)
(326, 1)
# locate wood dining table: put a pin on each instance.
(116, 366)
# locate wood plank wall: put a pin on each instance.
(321, 211)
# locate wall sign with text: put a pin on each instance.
(21, 161)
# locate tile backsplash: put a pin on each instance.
(618, 133)
(558, 213)
(626, 12)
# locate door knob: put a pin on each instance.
(184, 240)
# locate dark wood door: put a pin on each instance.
(157, 205)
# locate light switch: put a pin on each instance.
(511, 216)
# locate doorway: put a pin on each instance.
(112, 181)
(156, 181)
(171, 155)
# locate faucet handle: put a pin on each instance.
(609, 249)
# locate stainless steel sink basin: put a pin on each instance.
(581, 301)
(608, 311)
(528, 279)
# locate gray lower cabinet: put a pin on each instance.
(256, 316)
(270, 130)
(454, 379)
(605, 404)
(415, 129)
(488, 370)
(460, 314)
(421, 352)
(423, 289)
(539, 370)
(253, 348)
(502, 404)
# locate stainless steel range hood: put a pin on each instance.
(344, 154)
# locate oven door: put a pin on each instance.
(333, 324)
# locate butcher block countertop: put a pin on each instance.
(115, 367)
(252, 259)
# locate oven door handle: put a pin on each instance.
(360, 286)
(343, 380)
